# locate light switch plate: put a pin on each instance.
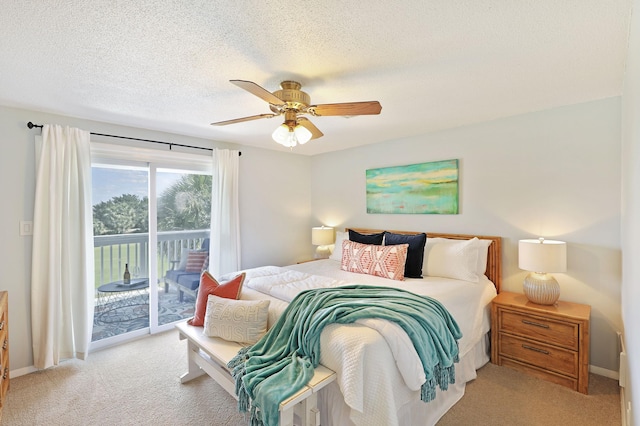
(26, 227)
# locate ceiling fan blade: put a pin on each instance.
(315, 132)
(240, 120)
(260, 92)
(349, 108)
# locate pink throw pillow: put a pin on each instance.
(381, 261)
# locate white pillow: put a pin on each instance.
(242, 321)
(183, 259)
(337, 250)
(483, 253)
(450, 258)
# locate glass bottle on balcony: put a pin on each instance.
(127, 276)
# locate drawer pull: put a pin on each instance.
(535, 324)
(6, 373)
(531, 348)
(5, 344)
(1, 325)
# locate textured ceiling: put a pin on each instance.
(166, 65)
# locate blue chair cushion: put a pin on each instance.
(190, 280)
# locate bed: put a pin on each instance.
(373, 385)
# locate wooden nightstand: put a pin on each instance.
(311, 260)
(549, 342)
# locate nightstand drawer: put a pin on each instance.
(550, 358)
(565, 334)
(543, 374)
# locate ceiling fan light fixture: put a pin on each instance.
(292, 102)
(290, 137)
(302, 134)
(281, 135)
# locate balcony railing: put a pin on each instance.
(112, 252)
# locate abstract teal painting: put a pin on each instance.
(426, 188)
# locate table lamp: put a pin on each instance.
(323, 238)
(541, 257)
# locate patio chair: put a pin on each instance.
(185, 272)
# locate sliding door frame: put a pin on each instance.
(152, 160)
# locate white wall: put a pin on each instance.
(554, 173)
(631, 207)
(276, 208)
(274, 203)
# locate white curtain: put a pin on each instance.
(224, 248)
(62, 283)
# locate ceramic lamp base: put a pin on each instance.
(323, 252)
(542, 289)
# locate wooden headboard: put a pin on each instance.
(494, 255)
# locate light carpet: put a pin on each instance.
(137, 383)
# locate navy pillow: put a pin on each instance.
(415, 254)
(375, 239)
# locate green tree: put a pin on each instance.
(124, 214)
(186, 204)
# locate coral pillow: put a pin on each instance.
(195, 261)
(209, 285)
(381, 261)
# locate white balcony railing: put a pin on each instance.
(112, 252)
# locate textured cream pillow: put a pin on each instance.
(243, 321)
(456, 259)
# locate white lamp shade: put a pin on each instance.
(542, 255)
(321, 236)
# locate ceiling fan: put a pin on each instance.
(292, 102)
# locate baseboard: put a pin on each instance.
(604, 372)
(22, 371)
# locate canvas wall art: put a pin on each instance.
(425, 188)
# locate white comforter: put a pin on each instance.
(378, 370)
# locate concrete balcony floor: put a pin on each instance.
(130, 312)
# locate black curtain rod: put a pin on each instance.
(171, 144)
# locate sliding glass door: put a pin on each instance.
(121, 249)
(148, 217)
(183, 221)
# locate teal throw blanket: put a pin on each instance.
(283, 361)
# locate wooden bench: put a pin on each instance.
(210, 355)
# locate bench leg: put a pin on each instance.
(308, 412)
(286, 417)
(194, 369)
